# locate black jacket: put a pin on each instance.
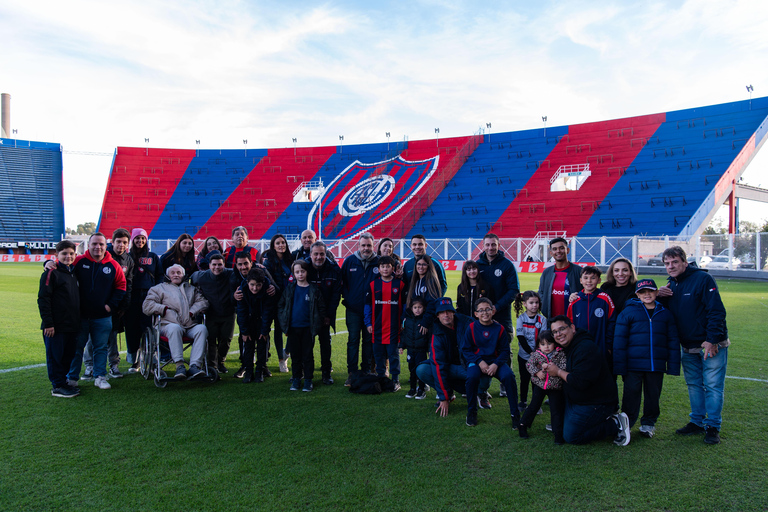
(411, 337)
(316, 308)
(58, 299)
(589, 381)
(328, 279)
(255, 312)
(101, 283)
(501, 275)
(216, 290)
(697, 307)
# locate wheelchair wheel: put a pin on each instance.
(213, 375)
(158, 379)
(145, 353)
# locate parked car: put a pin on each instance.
(723, 262)
(650, 261)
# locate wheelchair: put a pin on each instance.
(152, 364)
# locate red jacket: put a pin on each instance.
(102, 284)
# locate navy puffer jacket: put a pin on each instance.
(646, 341)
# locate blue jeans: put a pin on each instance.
(706, 382)
(98, 329)
(585, 423)
(113, 356)
(477, 379)
(382, 353)
(457, 377)
(357, 334)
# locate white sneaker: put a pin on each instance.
(283, 366)
(101, 383)
(647, 430)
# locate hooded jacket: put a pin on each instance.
(255, 311)
(697, 307)
(58, 299)
(175, 304)
(646, 340)
(102, 283)
(501, 275)
(357, 274)
(594, 312)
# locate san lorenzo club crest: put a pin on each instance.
(365, 195)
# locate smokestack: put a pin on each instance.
(5, 114)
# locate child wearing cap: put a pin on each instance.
(645, 347)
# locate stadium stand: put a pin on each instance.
(31, 191)
(653, 174)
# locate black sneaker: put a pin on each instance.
(181, 372)
(114, 372)
(64, 392)
(266, 372)
(712, 436)
(689, 429)
(515, 422)
(258, 378)
(521, 407)
(523, 432)
(472, 419)
(248, 377)
(411, 393)
(327, 380)
(240, 373)
(502, 391)
(421, 394)
(295, 384)
(222, 368)
(482, 401)
(134, 368)
(397, 386)
(308, 386)
(348, 382)
(194, 371)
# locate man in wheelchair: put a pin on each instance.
(177, 303)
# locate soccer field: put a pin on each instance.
(229, 446)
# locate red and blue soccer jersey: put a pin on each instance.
(384, 307)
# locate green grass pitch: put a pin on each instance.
(231, 447)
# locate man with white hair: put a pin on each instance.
(177, 303)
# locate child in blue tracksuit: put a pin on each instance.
(486, 350)
(645, 347)
(417, 344)
(592, 310)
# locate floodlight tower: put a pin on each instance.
(488, 125)
(544, 118)
(437, 135)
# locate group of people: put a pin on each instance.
(573, 338)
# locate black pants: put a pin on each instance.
(59, 352)
(302, 345)
(647, 384)
(259, 345)
(556, 410)
(525, 378)
(136, 323)
(324, 337)
(220, 332)
(359, 345)
(415, 357)
(278, 335)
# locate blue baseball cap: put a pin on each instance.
(444, 304)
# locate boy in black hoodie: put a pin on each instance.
(58, 300)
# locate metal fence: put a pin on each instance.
(743, 251)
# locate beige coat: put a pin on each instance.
(180, 300)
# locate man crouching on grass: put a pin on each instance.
(177, 303)
(591, 396)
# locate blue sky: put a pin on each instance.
(96, 75)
